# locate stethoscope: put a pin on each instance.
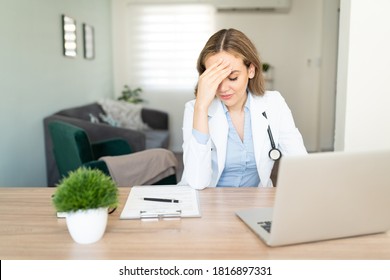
(274, 154)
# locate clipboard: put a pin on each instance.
(167, 201)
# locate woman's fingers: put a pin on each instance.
(210, 79)
(215, 74)
(216, 68)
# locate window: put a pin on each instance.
(163, 43)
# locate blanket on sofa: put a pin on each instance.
(141, 168)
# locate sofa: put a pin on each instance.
(157, 136)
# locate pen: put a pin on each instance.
(161, 199)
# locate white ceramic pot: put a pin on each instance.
(87, 226)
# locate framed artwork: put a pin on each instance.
(89, 41)
(69, 37)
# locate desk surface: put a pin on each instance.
(29, 229)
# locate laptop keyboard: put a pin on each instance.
(266, 225)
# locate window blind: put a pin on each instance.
(163, 44)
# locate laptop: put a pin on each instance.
(325, 196)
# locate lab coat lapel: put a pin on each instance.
(218, 128)
(259, 134)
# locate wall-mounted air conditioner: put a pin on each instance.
(260, 5)
(265, 5)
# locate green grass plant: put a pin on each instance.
(83, 189)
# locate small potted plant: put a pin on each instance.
(265, 67)
(267, 70)
(85, 195)
(131, 95)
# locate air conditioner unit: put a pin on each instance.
(248, 5)
(264, 5)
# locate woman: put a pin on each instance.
(226, 134)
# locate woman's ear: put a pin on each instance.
(251, 71)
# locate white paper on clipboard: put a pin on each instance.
(138, 208)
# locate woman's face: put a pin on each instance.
(232, 90)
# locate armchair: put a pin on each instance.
(72, 149)
(156, 137)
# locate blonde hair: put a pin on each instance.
(238, 44)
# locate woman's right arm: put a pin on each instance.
(196, 156)
(207, 88)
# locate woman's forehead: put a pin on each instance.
(234, 60)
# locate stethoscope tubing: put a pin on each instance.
(271, 139)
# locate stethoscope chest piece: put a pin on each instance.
(275, 154)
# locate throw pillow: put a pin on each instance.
(126, 114)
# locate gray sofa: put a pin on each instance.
(156, 137)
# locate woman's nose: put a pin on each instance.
(223, 86)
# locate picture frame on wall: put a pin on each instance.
(69, 36)
(89, 41)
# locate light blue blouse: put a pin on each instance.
(240, 166)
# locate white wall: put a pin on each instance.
(291, 42)
(37, 80)
(363, 115)
(328, 76)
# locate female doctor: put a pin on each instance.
(234, 130)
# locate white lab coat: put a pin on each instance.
(203, 164)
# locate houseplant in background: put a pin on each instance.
(131, 95)
(268, 75)
(85, 196)
(266, 67)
